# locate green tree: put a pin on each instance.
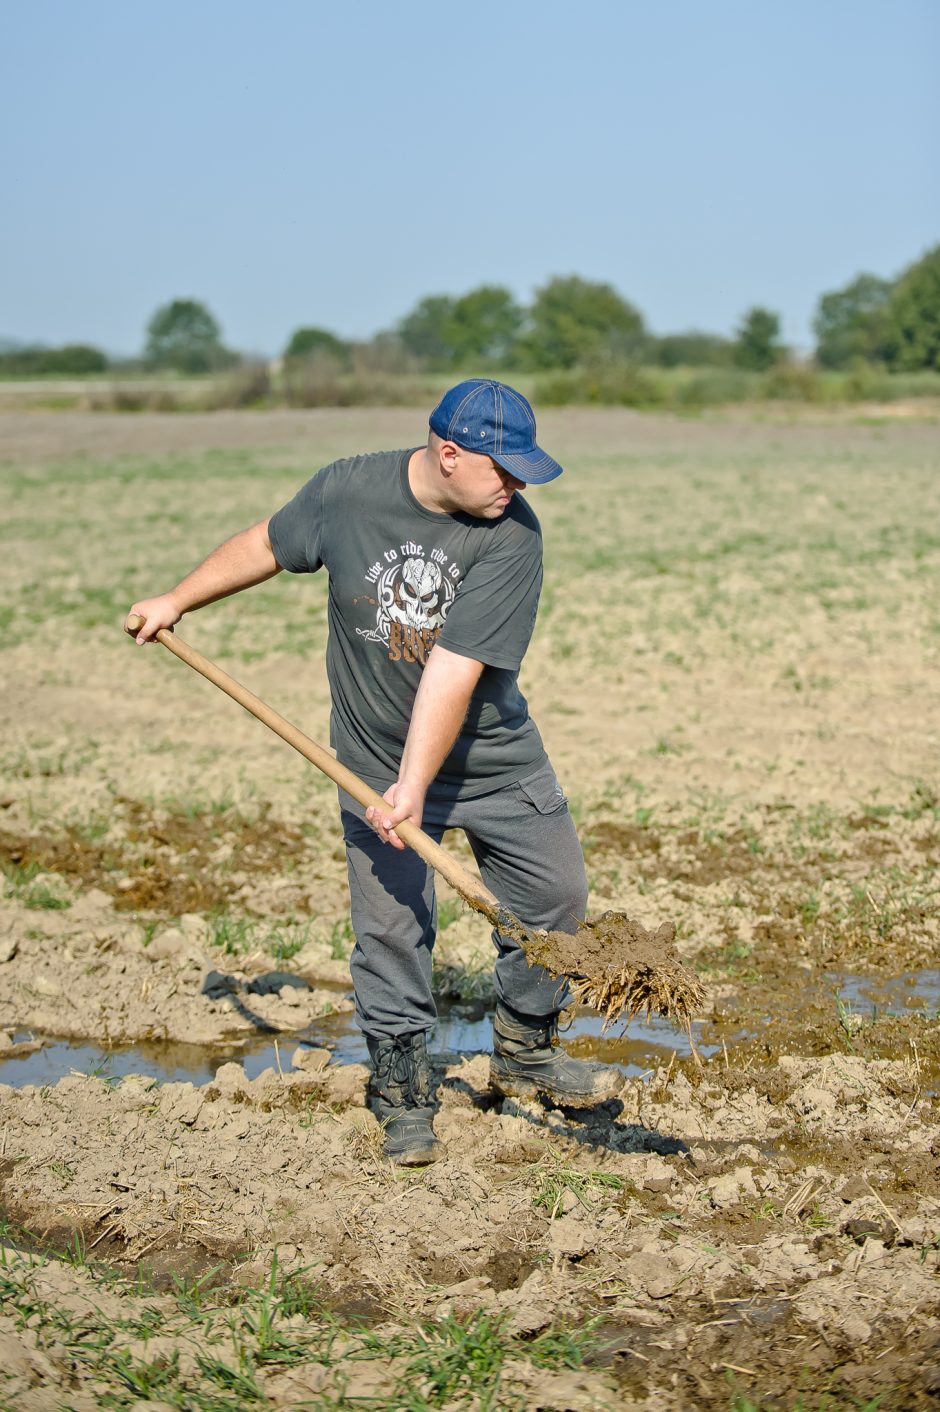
(427, 332)
(913, 317)
(184, 335)
(484, 325)
(77, 358)
(304, 342)
(757, 340)
(481, 326)
(575, 320)
(691, 350)
(851, 323)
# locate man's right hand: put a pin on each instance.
(157, 613)
(404, 802)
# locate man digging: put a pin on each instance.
(435, 568)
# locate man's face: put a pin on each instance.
(479, 486)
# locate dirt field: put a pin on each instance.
(737, 674)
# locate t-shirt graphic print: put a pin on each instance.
(413, 599)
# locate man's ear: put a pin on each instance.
(448, 453)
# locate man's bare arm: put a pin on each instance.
(245, 559)
(440, 708)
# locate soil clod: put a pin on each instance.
(621, 969)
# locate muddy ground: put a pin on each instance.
(736, 673)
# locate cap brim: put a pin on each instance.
(535, 467)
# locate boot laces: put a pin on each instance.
(403, 1069)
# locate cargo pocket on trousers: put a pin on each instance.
(542, 791)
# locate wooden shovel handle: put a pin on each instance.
(470, 888)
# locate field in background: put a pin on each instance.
(321, 383)
(736, 670)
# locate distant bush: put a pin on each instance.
(648, 387)
(690, 350)
(72, 360)
(304, 342)
(623, 386)
(713, 387)
(872, 384)
(137, 397)
(385, 353)
(792, 382)
(313, 381)
(693, 388)
(320, 381)
(248, 385)
(76, 359)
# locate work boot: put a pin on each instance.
(399, 1095)
(528, 1060)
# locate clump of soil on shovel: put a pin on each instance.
(619, 968)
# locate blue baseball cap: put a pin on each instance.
(494, 420)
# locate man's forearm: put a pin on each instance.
(242, 561)
(245, 559)
(439, 711)
(440, 707)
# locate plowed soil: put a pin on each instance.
(736, 672)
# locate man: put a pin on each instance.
(435, 569)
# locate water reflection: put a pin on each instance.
(460, 1030)
(897, 995)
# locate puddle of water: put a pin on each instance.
(643, 1046)
(458, 1031)
(898, 995)
(167, 1062)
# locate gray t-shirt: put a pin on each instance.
(402, 578)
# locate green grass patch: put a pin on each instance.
(218, 1339)
(555, 1179)
(32, 888)
(236, 936)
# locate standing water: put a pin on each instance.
(459, 1031)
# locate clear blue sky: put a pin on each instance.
(295, 162)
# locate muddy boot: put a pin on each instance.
(400, 1097)
(528, 1060)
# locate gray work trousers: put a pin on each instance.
(527, 849)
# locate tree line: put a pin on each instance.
(571, 323)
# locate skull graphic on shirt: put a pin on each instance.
(418, 597)
(412, 594)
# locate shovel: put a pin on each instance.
(613, 963)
